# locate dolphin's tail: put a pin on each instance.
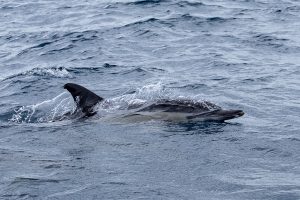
(217, 115)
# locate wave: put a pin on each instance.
(271, 41)
(151, 20)
(289, 10)
(72, 72)
(58, 50)
(52, 43)
(170, 22)
(190, 4)
(200, 19)
(193, 86)
(54, 72)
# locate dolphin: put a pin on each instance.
(163, 109)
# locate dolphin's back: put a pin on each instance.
(181, 106)
(189, 110)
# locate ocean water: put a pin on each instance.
(238, 54)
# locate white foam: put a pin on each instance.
(45, 111)
(59, 72)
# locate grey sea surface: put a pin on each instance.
(238, 54)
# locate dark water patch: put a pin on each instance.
(257, 80)
(266, 149)
(138, 70)
(280, 44)
(51, 161)
(150, 22)
(263, 38)
(14, 37)
(220, 19)
(5, 116)
(200, 20)
(47, 44)
(107, 65)
(119, 144)
(114, 183)
(85, 58)
(192, 128)
(190, 4)
(20, 196)
(221, 79)
(79, 152)
(233, 139)
(41, 45)
(53, 166)
(146, 2)
(287, 195)
(60, 50)
(155, 69)
(84, 70)
(287, 12)
(294, 139)
(274, 152)
(4, 54)
(35, 40)
(82, 36)
(146, 33)
(247, 11)
(7, 7)
(293, 9)
(193, 86)
(191, 23)
(222, 64)
(110, 69)
(33, 180)
(64, 7)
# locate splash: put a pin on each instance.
(59, 72)
(53, 72)
(136, 97)
(147, 94)
(46, 111)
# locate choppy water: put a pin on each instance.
(242, 54)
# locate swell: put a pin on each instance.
(71, 72)
(46, 44)
(271, 41)
(172, 21)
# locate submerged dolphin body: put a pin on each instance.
(171, 110)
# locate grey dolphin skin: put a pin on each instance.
(163, 109)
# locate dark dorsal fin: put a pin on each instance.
(84, 98)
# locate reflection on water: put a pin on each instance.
(194, 128)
